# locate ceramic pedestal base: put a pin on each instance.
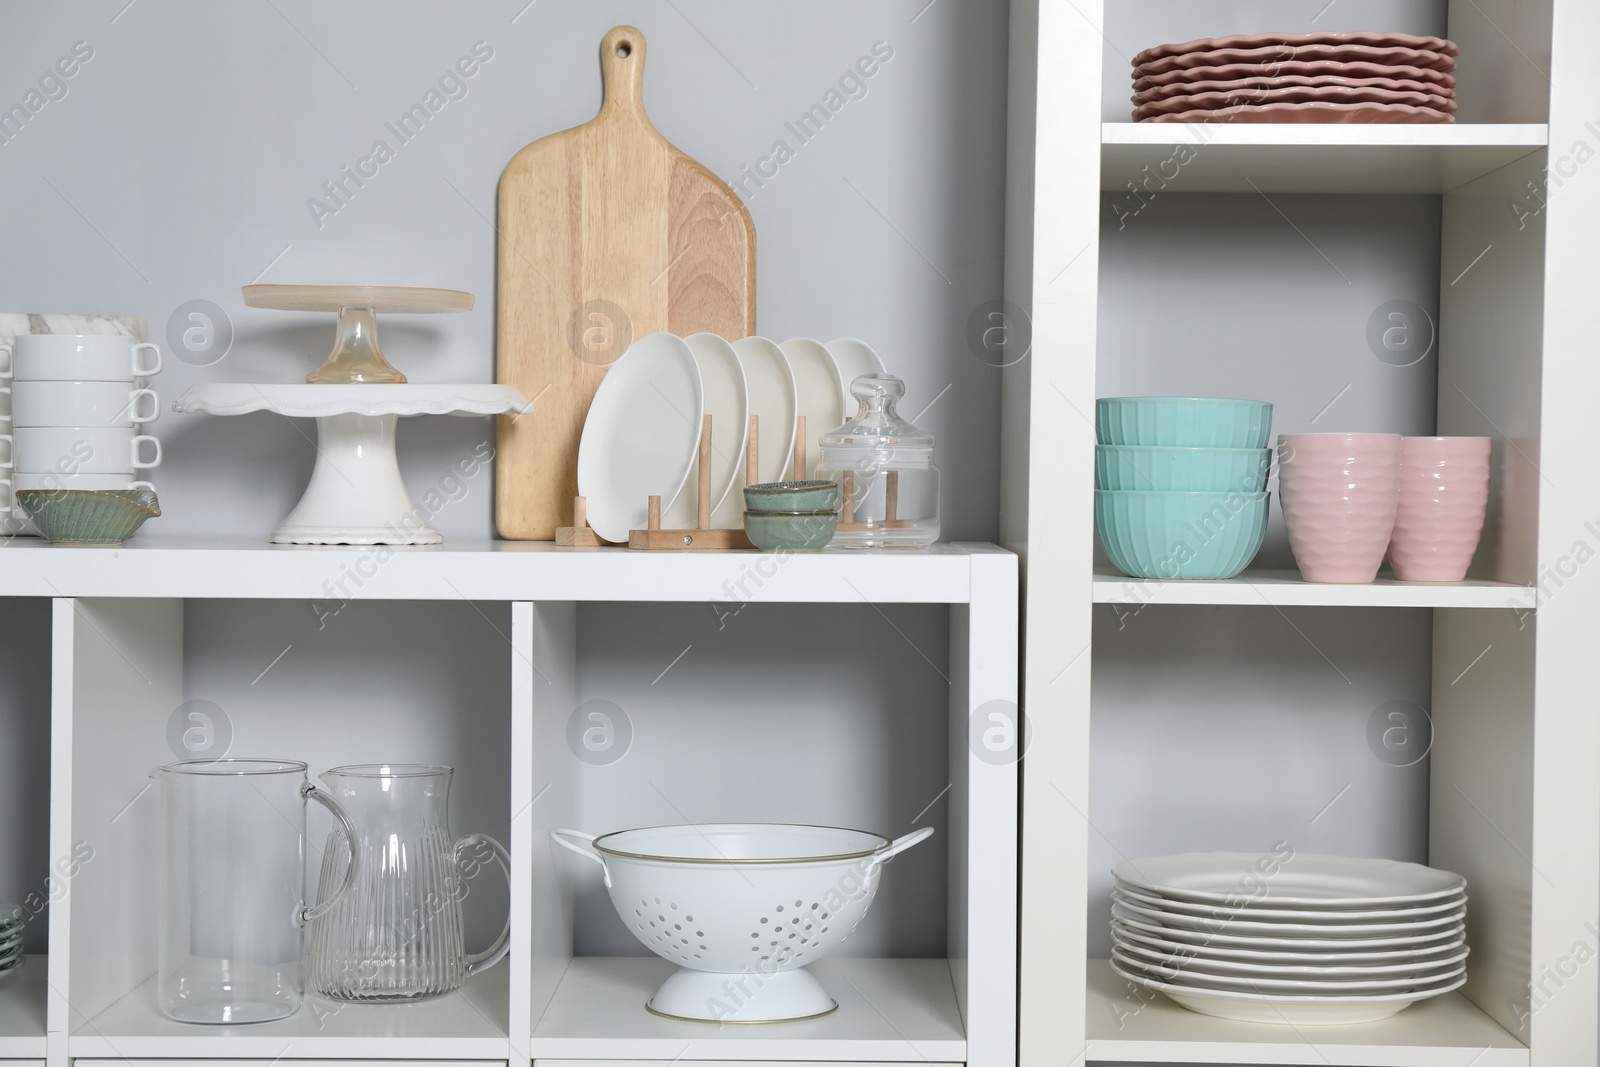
(356, 495)
(714, 997)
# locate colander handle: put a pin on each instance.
(560, 838)
(900, 844)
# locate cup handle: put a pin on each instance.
(560, 838)
(10, 368)
(155, 460)
(11, 451)
(482, 961)
(142, 485)
(6, 508)
(145, 372)
(155, 406)
(344, 828)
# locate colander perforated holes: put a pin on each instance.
(797, 904)
(702, 933)
(780, 907)
(763, 920)
(658, 900)
(688, 918)
(674, 907)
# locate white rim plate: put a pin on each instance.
(1275, 929)
(1449, 933)
(771, 388)
(640, 435)
(1303, 879)
(1190, 978)
(1422, 953)
(1292, 1010)
(853, 358)
(1328, 972)
(724, 398)
(1314, 915)
(819, 393)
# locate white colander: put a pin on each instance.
(741, 908)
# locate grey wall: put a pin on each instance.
(179, 164)
(25, 763)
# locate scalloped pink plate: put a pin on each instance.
(1325, 81)
(1324, 113)
(1229, 71)
(1277, 55)
(1300, 95)
(1262, 40)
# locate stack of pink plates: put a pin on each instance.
(1297, 77)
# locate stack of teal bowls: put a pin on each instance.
(1180, 484)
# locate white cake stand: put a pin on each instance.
(355, 496)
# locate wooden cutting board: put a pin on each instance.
(607, 233)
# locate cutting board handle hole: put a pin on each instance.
(624, 50)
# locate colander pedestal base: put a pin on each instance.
(716, 997)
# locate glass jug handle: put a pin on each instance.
(348, 829)
(482, 961)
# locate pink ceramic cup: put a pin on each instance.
(1339, 492)
(1444, 495)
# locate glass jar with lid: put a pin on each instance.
(888, 484)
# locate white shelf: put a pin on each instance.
(1310, 158)
(483, 570)
(471, 1024)
(22, 1011)
(1447, 1031)
(1286, 588)
(889, 1011)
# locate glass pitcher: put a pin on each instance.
(398, 935)
(233, 877)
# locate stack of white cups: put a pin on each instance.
(77, 407)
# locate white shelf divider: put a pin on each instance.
(1287, 158)
(1286, 588)
(1130, 1024)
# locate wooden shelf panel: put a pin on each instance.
(1286, 588)
(471, 1024)
(1145, 1027)
(889, 1011)
(1285, 158)
(485, 570)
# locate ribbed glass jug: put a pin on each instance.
(398, 935)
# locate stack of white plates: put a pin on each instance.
(1298, 77)
(642, 433)
(1289, 937)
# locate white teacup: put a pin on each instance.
(36, 403)
(78, 358)
(82, 450)
(52, 480)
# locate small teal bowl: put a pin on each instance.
(1190, 536)
(792, 496)
(1182, 421)
(794, 531)
(1154, 468)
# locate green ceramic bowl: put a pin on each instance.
(1154, 468)
(88, 517)
(1182, 421)
(796, 531)
(1180, 535)
(792, 496)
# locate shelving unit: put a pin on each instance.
(135, 631)
(1508, 794)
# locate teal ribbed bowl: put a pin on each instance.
(1182, 421)
(1180, 535)
(796, 531)
(792, 496)
(86, 516)
(1155, 468)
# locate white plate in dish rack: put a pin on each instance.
(641, 434)
(1301, 880)
(854, 358)
(819, 392)
(771, 387)
(724, 398)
